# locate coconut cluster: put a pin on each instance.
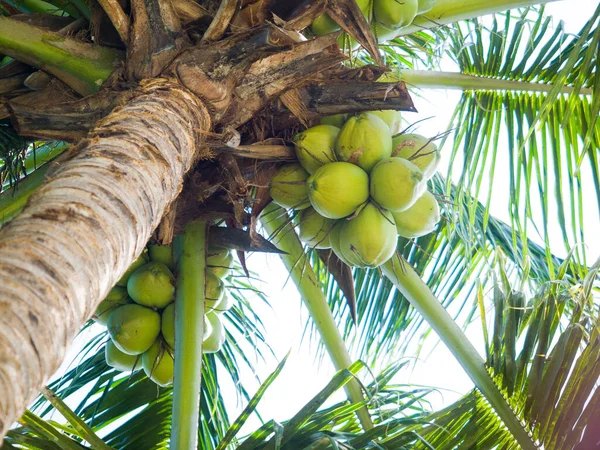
(360, 185)
(385, 17)
(139, 313)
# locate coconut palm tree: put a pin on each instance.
(155, 119)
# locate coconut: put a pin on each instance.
(324, 25)
(158, 364)
(391, 118)
(167, 325)
(315, 146)
(419, 150)
(383, 34)
(396, 184)
(364, 140)
(152, 285)
(139, 262)
(288, 187)
(115, 298)
(224, 306)
(369, 239)
(395, 13)
(420, 219)
(334, 239)
(213, 291)
(162, 254)
(214, 341)
(425, 5)
(219, 261)
(336, 190)
(314, 228)
(133, 328)
(336, 120)
(116, 359)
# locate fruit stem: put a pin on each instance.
(408, 282)
(276, 222)
(189, 331)
(450, 11)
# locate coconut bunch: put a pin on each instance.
(139, 313)
(360, 185)
(385, 17)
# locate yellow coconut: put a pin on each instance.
(336, 120)
(219, 261)
(315, 146)
(395, 13)
(396, 184)
(288, 187)
(391, 118)
(133, 328)
(336, 190)
(115, 298)
(314, 229)
(419, 150)
(425, 5)
(364, 140)
(214, 290)
(158, 364)
(116, 359)
(167, 325)
(162, 254)
(420, 219)
(152, 285)
(225, 305)
(369, 239)
(215, 340)
(334, 239)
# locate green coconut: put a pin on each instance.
(167, 325)
(219, 261)
(214, 290)
(391, 118)
(364, 140)
(314, 229)
(216, 338)
(334, 239)
(288, 187)
(369, 239)
(420, 219)
(336, 190)
(324, 25)
(395, 13)
(162, 254)
(133, 328)
(115, 298)
(158, 364)
(315, 146)
(116, 359)
(336, 120)
(419, 150)
(152, 285)
(396, 184)
(425, 6)
(139, 262)
(224, 306)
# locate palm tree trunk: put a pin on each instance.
(83, 228)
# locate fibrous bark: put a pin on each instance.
(83, 228)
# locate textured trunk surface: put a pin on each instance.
(83, 228)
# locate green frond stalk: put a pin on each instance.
(462, 82)
(13, 200)
(84, 67)
(189, 331)
(275, 221)
(450, 11)
(406, 280)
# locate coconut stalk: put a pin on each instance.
(276, 222)
(408, 282)
(449, 11)
(189, 332)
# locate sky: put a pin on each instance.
(285, 320)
